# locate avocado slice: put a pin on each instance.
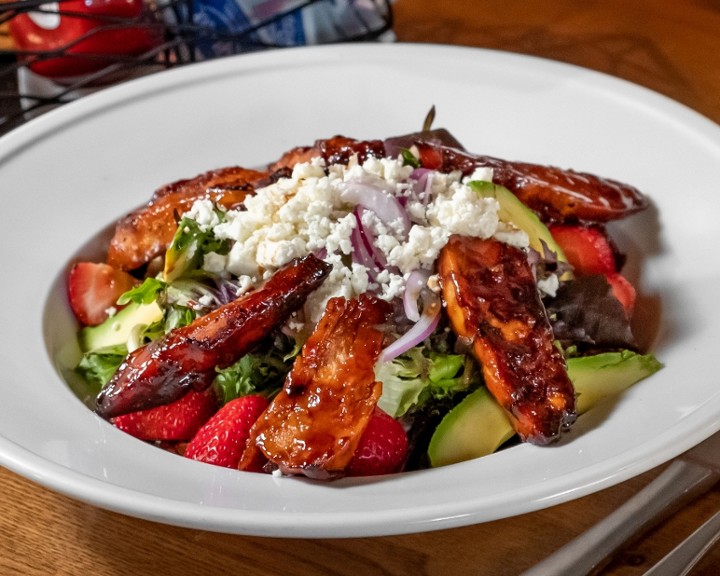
(605, 375)
(478, 426)
(514, 211)
(117, 329)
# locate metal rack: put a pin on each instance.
(189, 31)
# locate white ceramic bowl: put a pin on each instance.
(69, 174)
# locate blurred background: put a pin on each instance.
(53, 52)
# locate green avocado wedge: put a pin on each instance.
(512, 210)
(478, 426)
(606, 375)
(117, 329)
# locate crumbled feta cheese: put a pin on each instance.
(313, 211)
(510, 235)
(392, 285)
(434, 283)
(204, 213)
(421, 249)
(482, 173)
(206, 300)
(215, 263)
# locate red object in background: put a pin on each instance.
(90, 34)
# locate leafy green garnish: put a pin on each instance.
(99, 366)
(145, 293)
(258, 372)
(409, 159)
(177, 317)
(174, 317)
(253, 373)
(420, 375)
(189, 246)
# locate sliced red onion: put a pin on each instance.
(365, 235)
(380, 201)
(360, 254)
(423, 184)
(420, 173)
(419, 332)
(416, 281)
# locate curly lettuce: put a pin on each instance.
(260, 372)
(420, 375)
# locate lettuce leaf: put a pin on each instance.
(261, 372)
(421, 375)
(145, 293)
(99, 366)
(586, 315)
(191, 243)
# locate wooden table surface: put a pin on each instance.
(672, 47)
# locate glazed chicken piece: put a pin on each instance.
(294, 156)
(314, 424)
(557, 195)
(338, 149)
(165, 369)
(148, 231)
(492, 300)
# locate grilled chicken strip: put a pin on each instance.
(147, 232)
(314, 424)
(492, 299)
(557, 195)
(165, 369)
(335, 150)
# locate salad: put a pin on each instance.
(361, 308)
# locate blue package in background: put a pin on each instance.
(233, 26)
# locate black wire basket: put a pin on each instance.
(166, 33)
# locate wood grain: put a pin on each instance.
(45, 533)
(672, 47)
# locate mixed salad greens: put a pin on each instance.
(379, 223)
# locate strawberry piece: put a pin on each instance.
(93, 289)
(624, 291)
(431, 157)
(587, 249)
(222, 440)
(178, 421)
(383, 447)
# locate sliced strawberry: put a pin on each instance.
(93, 289)
(222, 440)
(178, 421)
(383, 447)
(624, 291)
(587, 249)
(430, 157)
